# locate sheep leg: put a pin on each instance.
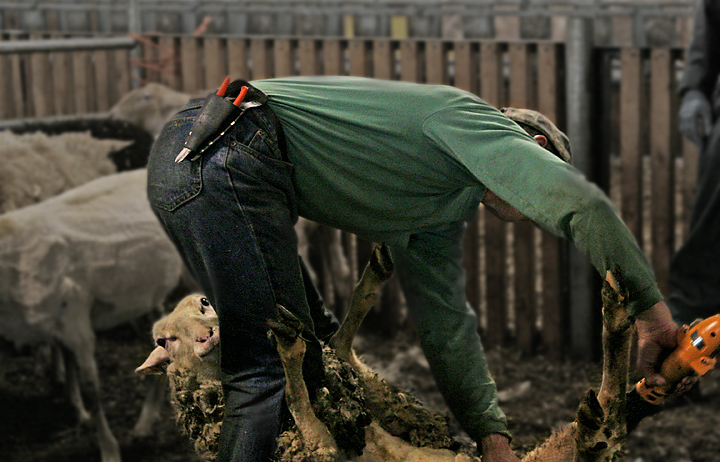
(77, 337)
(315, 435)
(599, 428)
(152, 406)
(339, 265)
(604, 444)
(377, 272)
(72, 386)
(80, 357)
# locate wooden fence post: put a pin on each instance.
(238, 58)
(521, 96)
(662, 161)
(309, 62)
(491, 85)
(579, 49)
(555, 309)
(631, 103)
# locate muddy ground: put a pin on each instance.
(37, 424)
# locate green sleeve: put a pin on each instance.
(433, 280)
(551, 193)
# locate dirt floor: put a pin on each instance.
(37, 424)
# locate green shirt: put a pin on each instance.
(408, 164)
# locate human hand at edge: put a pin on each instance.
(695, 117)
(657, 337)
(496, 448)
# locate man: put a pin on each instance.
(393, 162)
(695, 268)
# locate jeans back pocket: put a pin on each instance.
(172, 184)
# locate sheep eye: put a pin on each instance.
(161, 342)
(205, 301)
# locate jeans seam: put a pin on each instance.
(250, 226)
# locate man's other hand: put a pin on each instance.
(657, 337)
(695, 117)
(496, 448)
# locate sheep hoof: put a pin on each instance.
(286, 326)
(381, 263)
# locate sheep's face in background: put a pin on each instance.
(149, 107)
(187, 339)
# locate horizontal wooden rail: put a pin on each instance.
(66, 44)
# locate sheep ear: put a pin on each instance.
(155, 363)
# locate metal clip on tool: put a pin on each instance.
(215, 113)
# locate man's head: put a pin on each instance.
(535, 124)
(542, 130)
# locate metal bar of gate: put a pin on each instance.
(71, 44)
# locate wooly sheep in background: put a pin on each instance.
(37, 166)
(92, 258)
(150, 106)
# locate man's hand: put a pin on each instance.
(695, 117)
(657, 337)
(496, 448)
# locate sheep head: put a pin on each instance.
(188, 339)
(149, 107)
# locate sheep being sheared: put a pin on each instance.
(188, 344)
(384, 419)
(90, 259)
(340, 405)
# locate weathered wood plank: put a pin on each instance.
(215, 62)
(555, 307)
(466, 66)
(383, 59)
(121, 75)
(260, 58)
(496, 275)
(237, 58)
(190, 67)
(39, 78)
(308, 53)
(83, 90)
(410, 61)
(520, 94)
(358, 51)
(284, 58)
(102, 80)
(169, 62)
(631, 90)
(333, 57)
(436, 63)
(661, 129)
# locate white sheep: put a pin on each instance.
(150, 106)
(362, 426)
(89, 259)
(37, 166)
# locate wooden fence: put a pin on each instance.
(517, 274)
(617, 23)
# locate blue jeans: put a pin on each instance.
(231, 213)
